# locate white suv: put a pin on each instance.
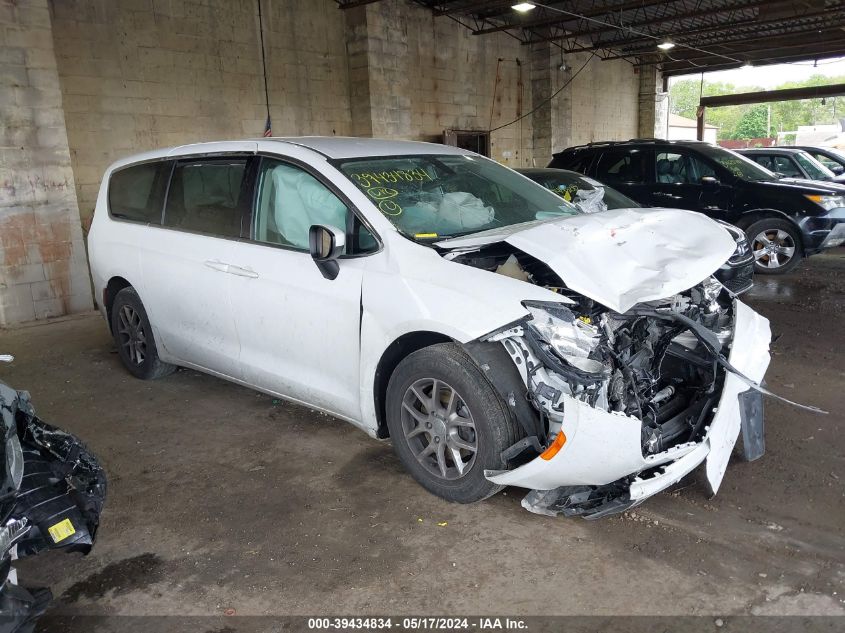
(427, 294)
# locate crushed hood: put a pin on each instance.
(620, 257)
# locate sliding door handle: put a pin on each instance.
(222, 267)
(242, 272)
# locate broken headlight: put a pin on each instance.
(571, 337)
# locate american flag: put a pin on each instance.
(268, 131)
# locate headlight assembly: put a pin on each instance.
(827, 203)
(571, 338)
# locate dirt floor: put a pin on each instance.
(223, 498)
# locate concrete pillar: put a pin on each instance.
(43, 270)
(541, 90)
(653, 104)
(379, 73)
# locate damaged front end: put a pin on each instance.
(619, 406)
(52, 494)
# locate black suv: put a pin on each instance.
(785, 219)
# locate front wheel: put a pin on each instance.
(776, 245)
(447, 423)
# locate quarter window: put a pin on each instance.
(208, 196)
(137, 193)
(290, 201)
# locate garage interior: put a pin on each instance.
(223, 500)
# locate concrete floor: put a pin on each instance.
(222, 498)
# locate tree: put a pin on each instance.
(753, 122)
(785, 116)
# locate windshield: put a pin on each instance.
(815, 170)
(739, 166)
(431, 197)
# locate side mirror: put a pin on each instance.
(326, 244)
(710, 183)
(837, 169)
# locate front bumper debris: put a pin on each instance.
(53, 491)
(602, 469)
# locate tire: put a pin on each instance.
(468, 413)
(782, 251)
(133, 337)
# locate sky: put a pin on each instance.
(769, 77)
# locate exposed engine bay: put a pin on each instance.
(661, 364)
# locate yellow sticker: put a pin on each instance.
(425, 235)
(61, 530)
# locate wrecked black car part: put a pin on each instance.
(53, 490)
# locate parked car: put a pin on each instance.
(791, 163)
(830, 157)
(52, 490)
(736, 274)
(496, 334)
(784, 220)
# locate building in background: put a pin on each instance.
(684, 129)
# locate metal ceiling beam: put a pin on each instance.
(674, 17)
(726, 26)
(784, 59)
(765, 96)
(562, 19)
(752, 52)
(731, 36)
(351, 4)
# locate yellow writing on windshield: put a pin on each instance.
(371, 179)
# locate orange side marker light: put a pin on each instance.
(555, 446)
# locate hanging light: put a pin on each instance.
(665, 46)
(523, 7)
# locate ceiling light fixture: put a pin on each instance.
(523, 7)
(665, 46)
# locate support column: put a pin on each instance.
(378, 71)
(43, 265)
(653, 104)
(541, 90)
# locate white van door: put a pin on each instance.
(185, 269)
(299, 331)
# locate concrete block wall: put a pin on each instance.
(43, 270)
(141, 74)
(600, 104)
(453, 81)
(85, 82)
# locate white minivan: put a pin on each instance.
(426, 294)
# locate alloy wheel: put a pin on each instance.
(773, 248)
(439, 428)
(133, 337)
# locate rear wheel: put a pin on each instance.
(776, 245)
(133, 336)
(447, 423)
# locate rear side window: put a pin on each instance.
(208, 196)
(623, 166)
(137, 193)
